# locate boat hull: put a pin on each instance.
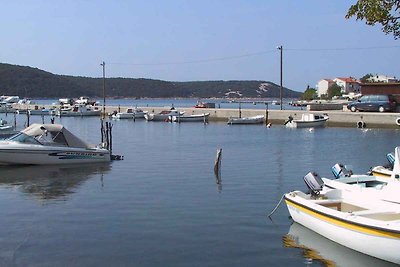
(306, 124)
(38, 156)
(191, 118)
(79, 114)
(247, 120)
(139, 115)
(345, 230)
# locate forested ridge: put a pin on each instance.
(34, 83)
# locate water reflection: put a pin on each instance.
(317, 248)
(50, 182)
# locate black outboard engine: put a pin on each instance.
(339, 170)
(314, 183)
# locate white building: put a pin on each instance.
(323, 85)
(349, 85)
(379, 78)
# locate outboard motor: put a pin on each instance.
(290, 119)
(314, 183)
(339, 170)
(390, 158)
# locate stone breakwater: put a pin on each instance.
(338, 118)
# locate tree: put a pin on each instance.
(384, 12)
(309, 94)
(364, 79)
(334, 90)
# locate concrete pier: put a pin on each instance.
(337, 118)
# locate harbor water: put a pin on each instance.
(162, 205)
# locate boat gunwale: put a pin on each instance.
(393, 233)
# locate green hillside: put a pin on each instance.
(36, 83)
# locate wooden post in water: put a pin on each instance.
(240, 109)
(27, 116)
(217, 163)
(266, 113)
(15, 121)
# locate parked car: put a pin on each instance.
(379, 103)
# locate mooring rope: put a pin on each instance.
(276, 207)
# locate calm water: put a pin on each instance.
(182, 103)
(161, 205)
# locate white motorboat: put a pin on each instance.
(5, 126)
(308, 120)
(42, 144)
(130, 113)
(39, 111)
(247, 120)
(190, 118)
(79, 111)
(7, 108)
(163, 115)
(384, 171)
(363, 219)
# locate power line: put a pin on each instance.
(342, 48)
(252, 54)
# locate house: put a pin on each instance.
(379, 78)
(323, 85)
(349, 85)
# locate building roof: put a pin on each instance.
(348, 80)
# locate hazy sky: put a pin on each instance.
(182, 40)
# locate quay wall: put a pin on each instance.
(339, 118)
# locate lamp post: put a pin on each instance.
(280, 92)
(104, 89)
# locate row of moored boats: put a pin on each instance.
(361, 212)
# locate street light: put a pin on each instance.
(104, 89)
(280, 92)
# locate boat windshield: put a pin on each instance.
(24, 138)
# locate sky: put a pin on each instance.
(196, 40)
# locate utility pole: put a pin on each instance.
(104, 89)
(280, 92)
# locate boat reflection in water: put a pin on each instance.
(50, 181)
(318, 248)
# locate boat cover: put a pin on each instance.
(58, 133)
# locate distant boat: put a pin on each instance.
(163, 115)
(190, 118)
(130, 113)
(201, 104)
(4, 126)
(307, 121)
(247, 120)
(78, 111)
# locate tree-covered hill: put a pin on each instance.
(35, 83)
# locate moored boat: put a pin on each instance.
(130, 113)
(79, 111)
(163, 115)
(5, 126)
(246, 120)
(364, 219)
(308, 120)
(42, 144)
(190, 118)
